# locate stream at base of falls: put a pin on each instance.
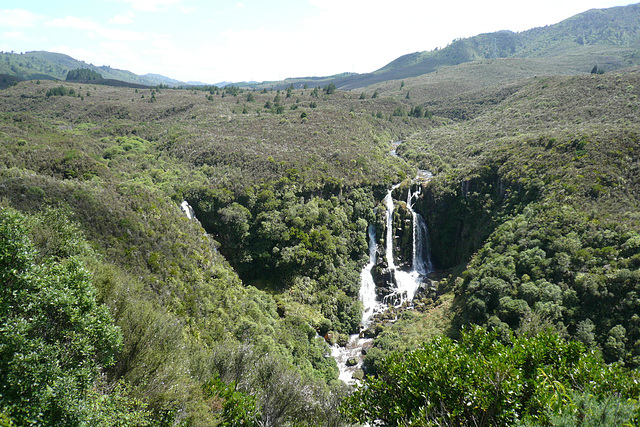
(406, 283)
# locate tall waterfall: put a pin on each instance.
(350, 357)
(408, 282)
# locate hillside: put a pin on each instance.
(555, 154)
(607, 38)
(54, 66)
(194, 257)
(285, 184)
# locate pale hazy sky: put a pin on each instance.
(235, 40)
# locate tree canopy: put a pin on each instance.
(83, 74)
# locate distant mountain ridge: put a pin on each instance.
(606, 37)
(605, 28)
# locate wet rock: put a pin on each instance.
(343, 340)
(351, 362)
(331, 338)
(373, 330)
(358, 375)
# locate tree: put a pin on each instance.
(54, 338)
(83, 74)
(330, 89)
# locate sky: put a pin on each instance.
(212, 41)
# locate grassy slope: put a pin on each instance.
(122, 164)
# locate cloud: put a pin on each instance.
(17, 35)
(74, 23)
(18, 18)
(96, 30)
(123, 19)
(152, 5)
(240, 6)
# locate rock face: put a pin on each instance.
(403, 236)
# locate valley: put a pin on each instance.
(453, 247)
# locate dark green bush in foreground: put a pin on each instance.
(54, 337)
(479, 381)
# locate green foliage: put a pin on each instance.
(330, 89)
(558, 264)
(83, 74)
(285, 237)
(236, 407)
(55, 338)
(479, 381)
(61, 91)
(573, 408)
(250, 388)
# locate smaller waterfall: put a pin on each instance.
(187, 209)
(367, 285)
(350, 357)
(421, 262)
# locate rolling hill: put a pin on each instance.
(41, 65)
(608, 38)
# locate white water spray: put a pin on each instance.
(352, 352)
(367, 294)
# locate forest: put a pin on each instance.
(194, 256)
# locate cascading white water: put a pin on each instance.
(353, 350)
(422, 259)
(388, 201)
(407, 282)
(421, 254)
(367, 294)
(187, 209)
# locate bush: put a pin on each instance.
(54, 338)
(479, 381)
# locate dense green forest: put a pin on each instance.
(118, 308)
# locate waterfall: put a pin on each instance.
(388, 201)
(408, 282)
(187, 209)
(421, 262)
(367, 285)
(350, 357)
